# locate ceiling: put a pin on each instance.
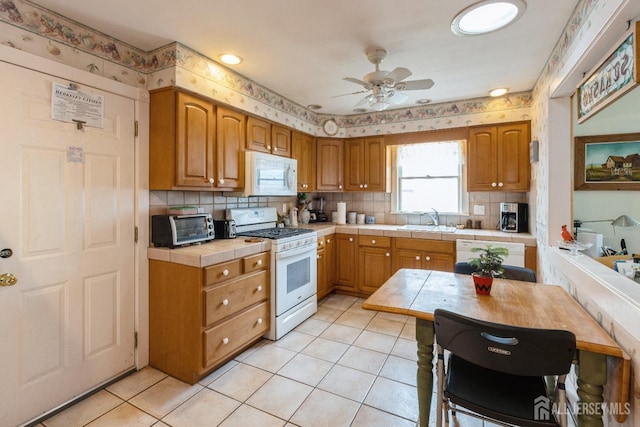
(303, 49)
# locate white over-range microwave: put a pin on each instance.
(269, 175)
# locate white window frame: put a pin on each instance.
(463, 195)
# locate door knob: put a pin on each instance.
(8, 279)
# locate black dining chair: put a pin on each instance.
(497, 372)
(510, 271)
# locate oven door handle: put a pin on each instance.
(297, 251)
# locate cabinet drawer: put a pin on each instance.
(256, 262)
(425, 245)
(221, 272)
(374, 241)
(232, 297)
(321, 242)
(224, 339)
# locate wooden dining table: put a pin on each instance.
(602, 362)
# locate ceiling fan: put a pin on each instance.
(385, 85)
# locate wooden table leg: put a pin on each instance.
(424, 336)
(592, 376)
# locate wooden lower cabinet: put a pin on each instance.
(422, 254)
(199, 318)
(374, 262)
(346, 253)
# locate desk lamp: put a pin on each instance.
(621, 221)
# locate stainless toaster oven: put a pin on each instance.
(179, 230)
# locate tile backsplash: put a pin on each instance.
(376, 204)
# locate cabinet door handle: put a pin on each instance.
(225, 341)
(373, 242)
(269, 147)
(500, 184)
(328, 240)
(259, 288)
(211, 180)
(365, 186)
(388, 254)
(318, 256)
(417, 257)
(260, 321)
(221, 181)
(259, 262)
(225, 272)
(274, 149)
(351, 239)
(427, 258)
(493, 184)
(339, 187)
(320, 243)
(225, 302)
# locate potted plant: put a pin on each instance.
(488, 265)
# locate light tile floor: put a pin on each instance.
(344, 366)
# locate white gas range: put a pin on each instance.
(293, 266)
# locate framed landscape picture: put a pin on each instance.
(607, 162)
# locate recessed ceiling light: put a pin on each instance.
(423, 101)
(314, 106)
(498, 91)
(487, 16)
(230, 59)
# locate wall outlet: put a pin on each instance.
(478, 209)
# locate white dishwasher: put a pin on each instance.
(515, 257)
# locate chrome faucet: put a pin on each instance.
(435, 216)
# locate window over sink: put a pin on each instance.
(428, 176)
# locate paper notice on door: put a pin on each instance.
(73, 105)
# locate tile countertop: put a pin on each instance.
(326, 228)
(209, 253)
(222, 250)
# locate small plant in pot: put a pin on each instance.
(488, 265)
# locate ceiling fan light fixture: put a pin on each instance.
(487, 16)
(498, 91)
(230, 59)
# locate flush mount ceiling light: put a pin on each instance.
(487, 16)
(230, 59)
(314, 106)
(423, 101)
(498, 91)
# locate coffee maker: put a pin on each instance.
(319, 212)
(514, 217)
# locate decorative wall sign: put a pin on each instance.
(607, 162)
(68, 104)
(617, 74)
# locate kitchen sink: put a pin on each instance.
(429, 228)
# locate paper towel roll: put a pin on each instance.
(342, 213)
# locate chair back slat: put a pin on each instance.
(510, 349)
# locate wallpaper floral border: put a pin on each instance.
(35, 29)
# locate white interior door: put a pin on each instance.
(67, 324)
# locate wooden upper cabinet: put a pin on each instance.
(280, 140)
(498, 157)
(181, 141)
(230, 149)
(258, 135)
(268, 137)
(303, 149)
(330, 164)
(365, 164)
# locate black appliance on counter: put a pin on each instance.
(514, 217)
(225, 228)
(318, 214)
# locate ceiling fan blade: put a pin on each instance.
(414, 84)
(358, 82)
(352, 93)
(398, 98)
(399, 74)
